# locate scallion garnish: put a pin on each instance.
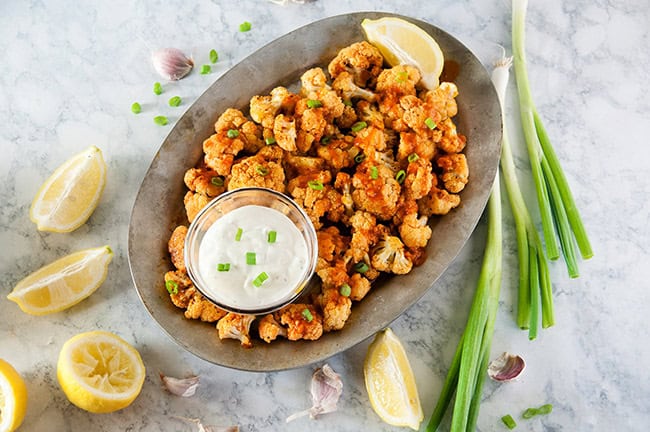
(157, 88)
(223, 267)
(259, 280)
(232, 133)
(175, 101)
(361, 267)
(160, 120)
(245, 26)
(217, 181)
(325, 140)
(315, 184)
(269, 140)
(359, 158)
(413, 157)
(214, 56)
(205, 69)
(239, 234)
(314, 103)
(262, 170)
(509, 421)
(136, 108)
(347, 102)
(545, 409)
(374, 172)
(172, 287)
(251, 258)
(306, 314)
(400, 176)
(402, 76)
(272, 236)
(345, 290)
(359, 126)
(430, 123)
(529, 413)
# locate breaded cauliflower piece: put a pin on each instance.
(419, 179)
(455, 172)
(375, 189)
(450, 140)
(205, 181)
(315, 87)
(314, 194)
(412, 143)
(394, 83)
(338, 153)
(263, 109)
(437, 201)
(298, 322)
(359, 287)
(418, 115)
(220, 152)
(347, 89)
(343, 184)
(180, 288)
(442, 99)
(414, 231)
(388, 256)
(370, 140)
(284, 131)
(249, 133)
(368, 113)
(362, 60)
(236, 326)
(176, 246)
(194, 202)
(365, 233)
(348, 118)
(269, 329)
(257, 171)
(331, 244)
(203, 309)
(336, 309)
(299, 165)
(335, 275)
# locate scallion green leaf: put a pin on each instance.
(545, 409)
(232, 133)
(214, 56)
(260, 279)
(245, 26)
(272, 236)
(314, 103)
(345, 290)
(262, 170)
(358, 126)
(361, 267)
(251, 258)
(315, 184)
(325, 140)
(136, 108)
(160, 120)
(509, 421)
(359, 158)
(239, 233)
(413, 157)
(205, 69)
(374, 173)
(171, 286)
(529, 413)
(175, 101)
(306, 314)
(217, 181)
(400, 176)
(223, 267)
(157, 88)
(269, 140)
(430, 123)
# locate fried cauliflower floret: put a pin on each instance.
(202, 309)
(370, 140)
(347, 89)
(176, 246)
(347, 118)
(284, 132)
(388, 256)
(299, 165)
(362, 60)
(220, 152)
(375, 189)
(443, 99)
(394, 83)
(336, 309)
(455, 172)
(450, 141)
(412, 143)
(418, 115)
(419, 179)
(313, 193)
(236, 326)
(180, 288)
(299, 326)
(331, 244)
(359, 287)
(365, 233)
(204, 181)
(257, 171)
(194, 202)
(437, 201)
(263, 109)
(269, 329)
(338, 153)
(315, 87)
(413, 229)
(335, 275)
(368, 113)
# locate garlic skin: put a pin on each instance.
(208, 428)
(506, 367)
(180, 387)
(171, 63)
(326, 389)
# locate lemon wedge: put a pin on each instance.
(13, 398)
(67, 199)
(100, 372)
(401, 42)
(390, 382)
(63, 283)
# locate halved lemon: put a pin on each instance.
(67, 199)
(13, 398)
(100, 372)
(402, 42)
(63, 283)
(390, 382)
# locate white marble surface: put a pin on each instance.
(68, 75)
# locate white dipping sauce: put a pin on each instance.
(284, 261)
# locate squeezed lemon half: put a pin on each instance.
(100, 372)
(63, 283)
(13, 398)
(390, 382)
(67, 199)
(401, 42)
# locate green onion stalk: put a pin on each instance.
(559, 214)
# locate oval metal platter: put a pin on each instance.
(158, 207)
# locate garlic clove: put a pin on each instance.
(171, 63)
(506, 367)
(326, 389)
(180, 387)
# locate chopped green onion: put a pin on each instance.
(245, 26)
(205, 69)
(175, 101)
(359, 126)
(359, 158)
(262, 170)
(345, 290)
(259, 280)
(315, 185)
(361, 267)
(214, 56)
(545, 409)
(430, 123)
(172, 287)
(136, 108)
(217, 181)
(306, 313)
(400, 176)
(251, 258)
(272, 236)
(402, 76)
(223, 267)
(374, 173)
(232, 133)
(269, 140)
(325, 140)
(509, 421)
(530, 413)
(160, 120)
(347, 102)
(413, 157)
(314, 103)
(239, 234)
(157, 88)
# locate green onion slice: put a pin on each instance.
(272, 236)
(345, 290)
(232, 133)
(347, 102)
(400, 176)
(217, 181)
(509, 421)
(413, 157)
(545, 409)
(306, 313)
(530, 413)
(315, 185)
(430, 123)
(157, 88)
(245, 26)
(205, 69)
(136, 108)
(262, 170)
(361, 267)
(314, 103)
(239, 233)
(251, 258)
(172, 287)
(223, 267)
(402, 76)
(269, 140)
(160, 120)
(175, 101)
(359, 126)
(325, 140)
(214, 56)
(374, 172)
(359, 158)
(259, 280)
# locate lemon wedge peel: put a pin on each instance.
(390, 382)
(13, 398)
(100, 372)
(63, 283)
(70, 195)
(402, 42)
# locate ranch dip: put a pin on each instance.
(252, 257)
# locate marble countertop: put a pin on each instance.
(67, 81)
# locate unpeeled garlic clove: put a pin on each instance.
(171, 63)
(180, 387)
(506, 367)
(326, 389)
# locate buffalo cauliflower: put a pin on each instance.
(194, 202)
(257, 171)
(269, 329)
(419, 179)
(450, 140)
(236, 326)
(455, 172)
(176, 246)
(362, 60)
(359, 286)
(336, 309)
(442, 99)
(388, 256)
(205, 181)
(411, 143)
(437, 201)
(345, 86)
(302, 321)
(263, 109)
(375, 189)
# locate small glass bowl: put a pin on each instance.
(235, 199)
